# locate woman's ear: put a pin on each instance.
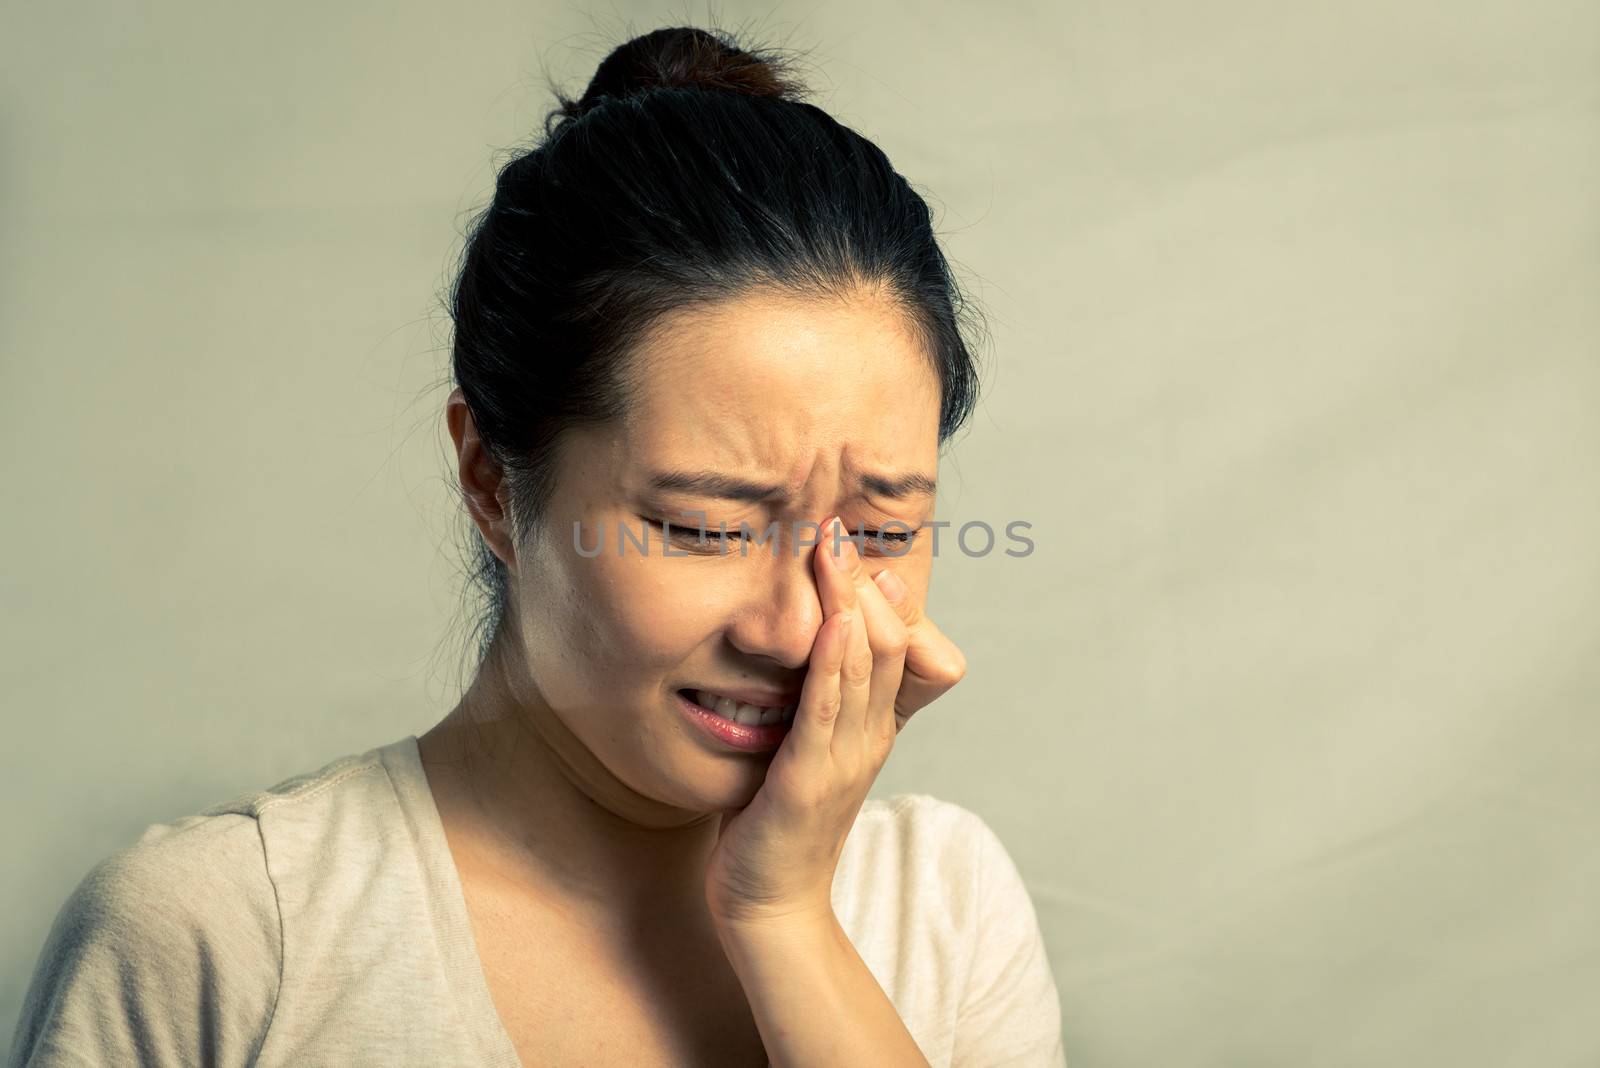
(483, 484)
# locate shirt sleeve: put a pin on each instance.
(1010, 1014)
(166, 953)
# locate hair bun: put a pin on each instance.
(684, 57)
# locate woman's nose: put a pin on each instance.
(782, 611)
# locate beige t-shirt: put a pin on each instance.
(321, 922)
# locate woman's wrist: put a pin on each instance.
(744, 919)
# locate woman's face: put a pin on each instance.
(804, 398)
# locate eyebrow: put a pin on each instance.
(728, 487)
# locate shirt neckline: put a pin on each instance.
(447, 906)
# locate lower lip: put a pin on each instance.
(746, 738)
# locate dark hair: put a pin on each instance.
(690, 171)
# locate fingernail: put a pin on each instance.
(846, 549)
(891, 585)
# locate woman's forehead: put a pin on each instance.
(840, 473)
(804, 401)
(791, 445)
(745, 347)
(780, 372)
(776, 462)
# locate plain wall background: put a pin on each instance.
(1289, 720)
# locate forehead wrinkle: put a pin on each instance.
(703, 413)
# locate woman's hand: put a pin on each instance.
(933, 662)
(876, 660)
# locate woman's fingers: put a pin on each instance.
(939, 665)
(811, 736)
(875, 659)
(835, 585)
(933, 663)
(833, 563)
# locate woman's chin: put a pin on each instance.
(720, 786)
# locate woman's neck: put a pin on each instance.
(524, 803)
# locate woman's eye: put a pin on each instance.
(887, 542)
(882, 542)
(888, 539)
(691, 532)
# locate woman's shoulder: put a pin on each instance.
(920, 827)
(917, 808)
(940, 911)
(940, 853)
(937, 865)
(225, 840)
(176, 870)
(342, 779)
(172, 855)
(331, 834)
(190, 917)
(916, 853)
(182, 918)
(225, 847)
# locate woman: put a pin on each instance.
(695, 326)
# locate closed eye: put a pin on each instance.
(692, 534)
(689, 528)
(895, 541)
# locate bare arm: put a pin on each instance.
(813, 998)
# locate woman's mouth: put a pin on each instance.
(728, 732)
(738, 711)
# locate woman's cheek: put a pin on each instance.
(666, 608)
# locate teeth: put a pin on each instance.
(749, 715)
